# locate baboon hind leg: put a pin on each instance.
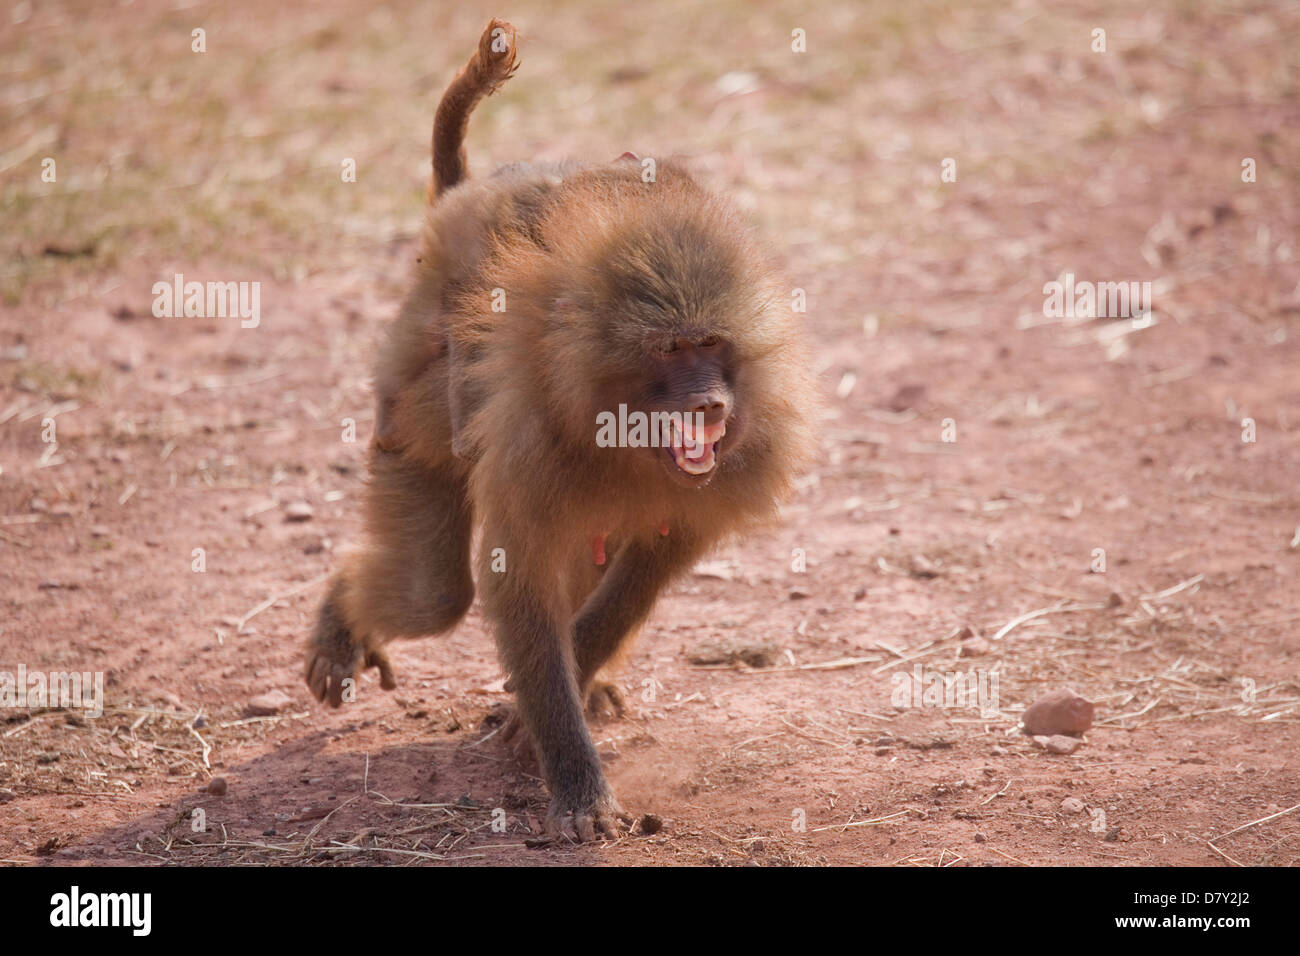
(412, 576)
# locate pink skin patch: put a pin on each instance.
(663, 529)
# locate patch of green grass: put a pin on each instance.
(61, 383)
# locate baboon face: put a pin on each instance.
(690, 390)
(675, 315)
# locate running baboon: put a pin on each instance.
(550, 298)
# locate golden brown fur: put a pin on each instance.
(488, 419)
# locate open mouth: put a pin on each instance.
(694, 450)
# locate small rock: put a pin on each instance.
(716, 570)
(975, 647)
(99, 531)
(1061, 744)
(298, 511)
(1058, 712)
(799, 594)
(649, 824)
(999, 751)
(268, 704)
(907, 396)
(737, 83)
(980, 838)
(1057, 743)
(1072, 806)
(216, 787)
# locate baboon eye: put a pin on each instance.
(666, 347)
(709, 341)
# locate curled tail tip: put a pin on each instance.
(496, 52)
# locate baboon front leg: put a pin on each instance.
(537, 651)
(412, 576)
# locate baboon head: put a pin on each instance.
(679, 319)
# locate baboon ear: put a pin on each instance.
(632, 156)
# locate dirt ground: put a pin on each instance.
(768, 727)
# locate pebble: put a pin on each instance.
(216, 786)
(1059, 711)
(268, 704)
(1072, 806)
(298, 511)
(1057, 743)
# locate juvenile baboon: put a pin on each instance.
(547, 296)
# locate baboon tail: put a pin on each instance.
(491, 65)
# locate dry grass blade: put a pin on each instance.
(1059, 608)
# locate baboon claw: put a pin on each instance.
(387, 680)
(605, 699)
(588, 825)
(334, 660)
